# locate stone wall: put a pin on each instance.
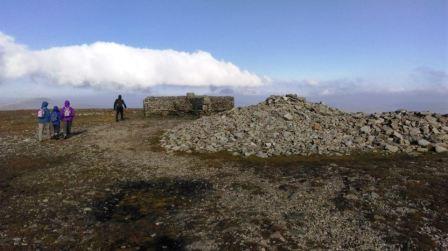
(221, 103)
(189, 104)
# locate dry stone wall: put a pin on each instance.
(189, 104)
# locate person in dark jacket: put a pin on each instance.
(56, 121)
(43, 119)
(119, 106)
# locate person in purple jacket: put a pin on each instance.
(67, 115)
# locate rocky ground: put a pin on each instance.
(288, 125)
(113, 186)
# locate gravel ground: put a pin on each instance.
(112, 186)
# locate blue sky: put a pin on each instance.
(379, 41)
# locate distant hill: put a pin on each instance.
(378, 102)
(35, 103)
(366, 102)
(82, 102)
(31, 103)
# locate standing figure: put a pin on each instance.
(43, 120)
(56, 121)
(119, 106)
(67, 115)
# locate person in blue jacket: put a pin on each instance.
(43, 120)
(56, 121)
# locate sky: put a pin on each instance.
(319, 49)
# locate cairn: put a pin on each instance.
(289, 125)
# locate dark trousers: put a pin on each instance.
(56, 129)
(67, 127)
(119, 111)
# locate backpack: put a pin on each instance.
(67, 112)
(119, 103)
(40, 113)
(54, 117)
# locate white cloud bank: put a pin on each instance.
(104, 65)
(112, 65)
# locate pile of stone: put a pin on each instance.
(287, 125)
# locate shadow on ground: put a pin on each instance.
(148, 214)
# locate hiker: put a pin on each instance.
(56, 121)
(67, 115)
(118, 107)
(43, 119)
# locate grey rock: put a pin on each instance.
(440, 149)
(348, 143)
(423, 142)
(391, 148)
(414, 131)
(261, 155)
(397, 135)
(365, 129)
(288, 116)
(422, 150)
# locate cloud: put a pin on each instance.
(313, 87)
(422, 77)
(105, 65)
(112, 65)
